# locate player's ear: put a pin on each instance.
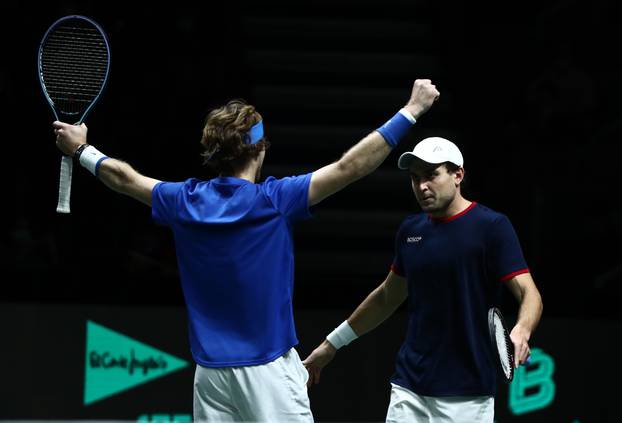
(459, 175)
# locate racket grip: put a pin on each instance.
(527, 362)
(64, 185)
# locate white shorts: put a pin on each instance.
(406, 406)
(274, 392)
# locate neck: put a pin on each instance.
(249, 173)
(457, 205)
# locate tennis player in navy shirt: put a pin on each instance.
(450, 261)
(234, 245)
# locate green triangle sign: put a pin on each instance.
(115, 362)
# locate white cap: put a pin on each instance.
(432, 150)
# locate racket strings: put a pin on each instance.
(74, 64)
(59, 57)
(504, 346)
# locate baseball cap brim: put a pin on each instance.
(406, 160)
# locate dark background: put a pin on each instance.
(529, 92)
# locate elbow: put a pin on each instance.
(383, 297)
(538, 298)
(536, 303)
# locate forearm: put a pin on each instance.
(530, 311)
(371, 151)
(374, 310)
(364, 157)
(117, 175)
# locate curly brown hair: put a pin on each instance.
(224, 137)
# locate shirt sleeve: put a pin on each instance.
(290, 195)
(506, 256)
(163, 202)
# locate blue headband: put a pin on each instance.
(255, 134)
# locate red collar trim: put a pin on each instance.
(455, 216)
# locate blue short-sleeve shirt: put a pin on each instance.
(235, 252)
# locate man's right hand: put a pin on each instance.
(316, 361)
(69, 137)
(423, 95)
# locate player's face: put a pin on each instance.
(434, 187)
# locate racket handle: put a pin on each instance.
(526, 362)
(64, 185)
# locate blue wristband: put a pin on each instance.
(99, 162)
(395, 129)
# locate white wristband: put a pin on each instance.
(342, 335)
(91, 158)
(408, 115)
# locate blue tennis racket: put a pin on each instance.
(74, 62)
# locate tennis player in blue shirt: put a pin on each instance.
(233, 239)
(450, 261)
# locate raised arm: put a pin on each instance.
(529, 313)
(115, 174)
(375, 309)
(364, 157)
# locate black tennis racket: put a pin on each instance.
(74, 61)
(502, 345)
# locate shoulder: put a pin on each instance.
(181, 185)
(494, 225)
(273, 185)
(488, 215)
(412, 220)
(271, 180)
(189, 187)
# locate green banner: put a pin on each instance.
(115, 363)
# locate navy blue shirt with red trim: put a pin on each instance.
(455, 268)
